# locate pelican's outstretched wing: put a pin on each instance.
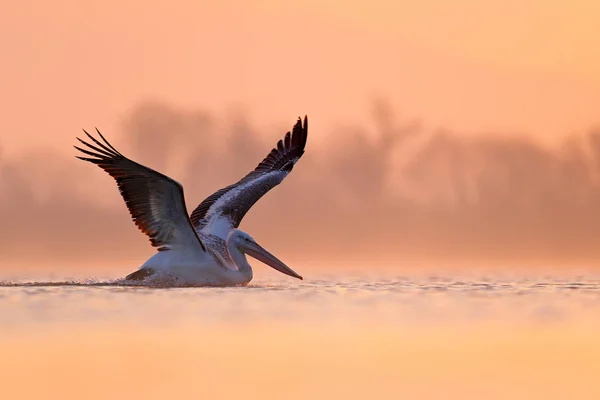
(154, 200)
(224, 210)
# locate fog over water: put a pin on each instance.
(396, 190)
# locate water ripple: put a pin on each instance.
(401, 301)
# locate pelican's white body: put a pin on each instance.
(194, 269)
(191, 265)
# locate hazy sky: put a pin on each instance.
(161, 79)
(507, 66)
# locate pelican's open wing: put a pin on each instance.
(224, 210)
(155, 201)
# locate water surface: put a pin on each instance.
(386, 336)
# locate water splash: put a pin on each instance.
(84, 282)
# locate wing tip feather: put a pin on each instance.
(282, 158)
(125, 172)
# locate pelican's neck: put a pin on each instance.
(239, 259)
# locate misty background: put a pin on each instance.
(392, 193)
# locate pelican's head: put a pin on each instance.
(247, 245)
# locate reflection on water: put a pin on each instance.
(353, 337)
(394, 302)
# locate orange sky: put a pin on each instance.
(507, 66)
(160, 79)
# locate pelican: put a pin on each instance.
(205, 248)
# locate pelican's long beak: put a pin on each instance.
(256, 251)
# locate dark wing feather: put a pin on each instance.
(155, 201)
(234, 201)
